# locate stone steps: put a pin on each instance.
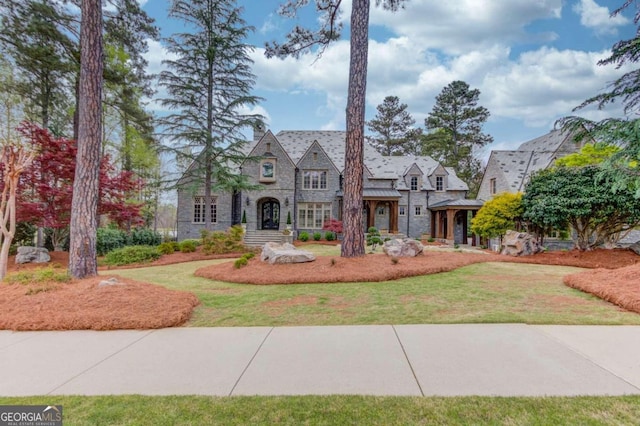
(259, 238)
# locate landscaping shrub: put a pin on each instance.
(218, 242)
(373, 238)
(109, 239)
(304, 236)
(317, 236)
(39, 276)
(239, 263)
(187, 246)
(166, 248)
(144, 237)
(132, 254)
(329, 236)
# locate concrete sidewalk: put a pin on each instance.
(486, 359)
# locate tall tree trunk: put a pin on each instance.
(353, 242)
(84, 206)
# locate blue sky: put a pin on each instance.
(533, 61)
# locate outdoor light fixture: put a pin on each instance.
(286, 201)
(248, 201)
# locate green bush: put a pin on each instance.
(218, 242)
(109, 239)
(166, 248)
(144, 237)
(239, 263)
(329, 236)
(304, 236)
(187, 246)
(38, 276)
(317, 236)
(132, 254)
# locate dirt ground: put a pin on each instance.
(82, 304)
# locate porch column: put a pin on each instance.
(451, 216)
(371, 218)
(393, 217)
(438, 224)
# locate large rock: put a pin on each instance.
(285, 253)
(635, 247)
(520, 244)
(402, 248)
(28, 254)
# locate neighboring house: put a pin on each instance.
(301, 173)
(509, 171)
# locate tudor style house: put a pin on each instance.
(300, 173)
(509, 171)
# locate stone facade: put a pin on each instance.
(301, 173)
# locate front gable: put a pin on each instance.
(268, 162)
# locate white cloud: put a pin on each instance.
(598, 17)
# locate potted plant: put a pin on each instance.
(243, 222)
(289, 220)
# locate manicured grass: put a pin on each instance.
(339, 410)
(480, 293)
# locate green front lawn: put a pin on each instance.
(340, 410)
(480, 293)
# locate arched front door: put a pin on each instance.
(270, 214)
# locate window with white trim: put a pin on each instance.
(268, 170)
(414, 183)
(440, 183)
(314, 179)
(381, 211)
(198, 210)
(402, 210)
(313, 215)
(418, 210)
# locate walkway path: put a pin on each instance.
(486, 359)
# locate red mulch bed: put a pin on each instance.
(620, 286)
(82, 304)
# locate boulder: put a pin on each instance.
(402, 248)
(635, 247)
(520, 244)
(28, 254)
(285, 253)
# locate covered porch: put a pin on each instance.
(449, 220)
(373, 199)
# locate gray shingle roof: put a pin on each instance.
(297, 142)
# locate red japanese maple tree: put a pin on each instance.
(46, 187)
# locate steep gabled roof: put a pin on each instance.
(530, 157)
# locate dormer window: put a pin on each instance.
(439, 183)
(414, 183)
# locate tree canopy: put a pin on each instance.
(209, 84)
(394, 131)
(498, 215)
(579, 197)
(457, 120)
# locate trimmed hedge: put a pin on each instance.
(132, 254)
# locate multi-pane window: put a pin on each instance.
(313, 215)
(418, 210)
(439, 183)
(314, 179)
(414, 183)
(198, 210)
(492, 186)
(381, 211)
(402, 210)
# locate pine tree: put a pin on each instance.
(458, 117)
(393, 126)
(301, 40)
(84, 208)
(208, 83)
